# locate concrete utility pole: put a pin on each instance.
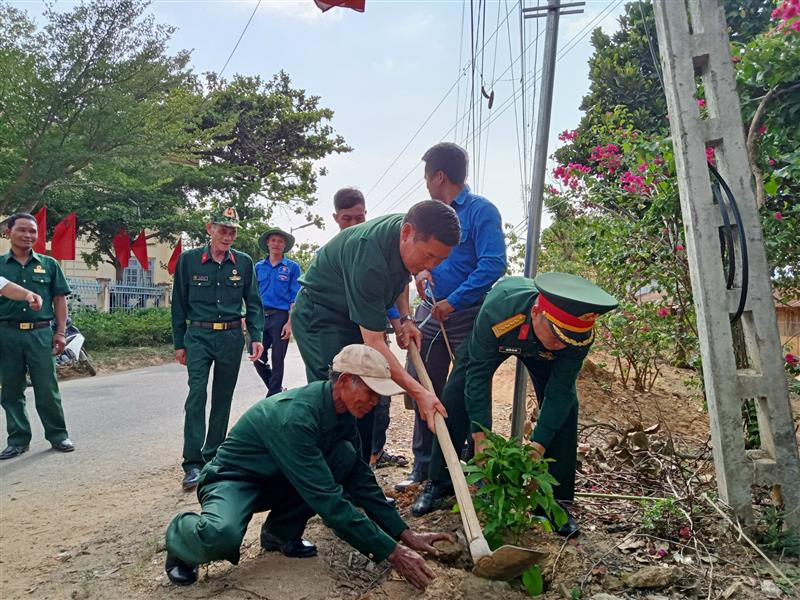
(553, 10)
(701, 47)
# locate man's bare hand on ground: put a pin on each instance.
(423, 542)
(411, 566)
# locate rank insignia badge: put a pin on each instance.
(503, 327)
(39, 269)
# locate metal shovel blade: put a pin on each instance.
(507, 562)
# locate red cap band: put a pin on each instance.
(563, 319)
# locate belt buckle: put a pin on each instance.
(26, 326)
(218, 326)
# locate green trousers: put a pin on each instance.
(320, 334)
(206, 348)
(30, 351)
(229, 498)
(563, 450)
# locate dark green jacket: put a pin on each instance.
(290, 433)
(42, 275)
(207, 291)
(496, 336)
(359, 273)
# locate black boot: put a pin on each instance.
(179, 572)
(294, 548)
(432, 497)
(568, 529)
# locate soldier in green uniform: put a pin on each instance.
(548, 323)
(295, 454)
(27, 342)
(215, 286)
(357, 276)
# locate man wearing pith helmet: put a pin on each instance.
(215, 286)
(548, 323)
(278, 286)
(296, 454)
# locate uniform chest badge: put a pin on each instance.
(235, 272)
(510, 350)
(39, 269)
(199, 278)
(547, 355)
(234, 278)
(503, 327)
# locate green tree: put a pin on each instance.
(91, 87)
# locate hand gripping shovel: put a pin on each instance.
(507, 561)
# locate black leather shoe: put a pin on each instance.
(295, 548)
(568, 529)
(413, 478)
(190, 480)
(431, 498)
(13, 452)
(64, 445)
(179, 572)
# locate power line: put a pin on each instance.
(461, 75)
(241, 35)
(570, 45)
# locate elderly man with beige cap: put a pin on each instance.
(296, 455)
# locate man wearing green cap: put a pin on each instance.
(295, 454)
(548, 323)
(215, 286)
(278, 286)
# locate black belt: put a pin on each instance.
(25, 326)
(268, 312)
(217, 326)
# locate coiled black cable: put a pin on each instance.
(727, 239)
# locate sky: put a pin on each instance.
(398, 78)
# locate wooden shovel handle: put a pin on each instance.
(472, 526)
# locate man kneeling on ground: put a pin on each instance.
(295, 454)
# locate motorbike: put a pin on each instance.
(74, 353)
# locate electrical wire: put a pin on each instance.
(241, 35)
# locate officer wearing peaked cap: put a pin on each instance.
(215, 286)
(548, 323)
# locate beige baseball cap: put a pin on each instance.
(370, 365)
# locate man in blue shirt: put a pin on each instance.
(453, 291)
(278, 285)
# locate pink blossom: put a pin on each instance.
(642, 167)
(736, 58)
(658, 160)
(795, 26)
(762, 129)
(663, 312)
(778, 216)
(701, 103)
(568, 136)
(791, 359)
(685, 533)
(552, 190)
(771, 162)
(634, 184)
(661, 552)
(710, 156)
(679, 248)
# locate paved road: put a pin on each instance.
(124, 425)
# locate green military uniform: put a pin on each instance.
(503, 328)
(26, 345)
(353, 280)
(293, 455)
(209, 300)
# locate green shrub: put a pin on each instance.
(141, 327)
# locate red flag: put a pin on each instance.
(357, 5)
(173, 260)
(139, 248)
(122, 247)
(64, 235)
(41, 224)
